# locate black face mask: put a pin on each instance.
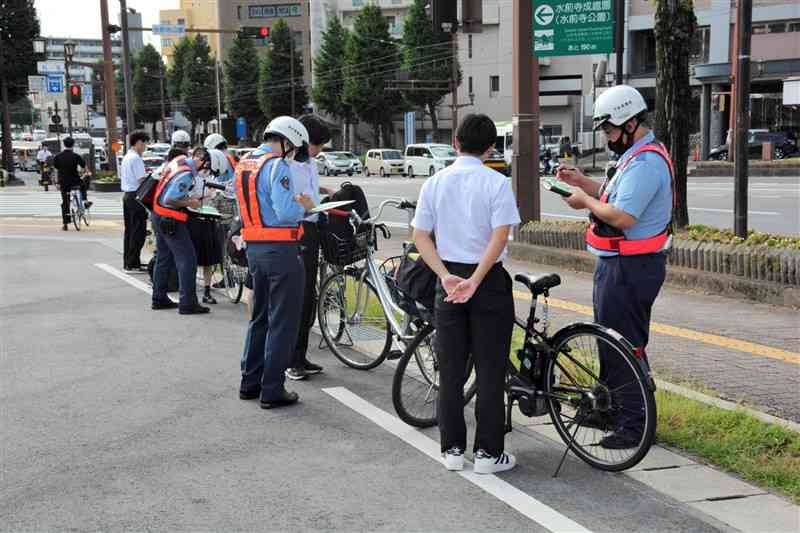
(620, 146)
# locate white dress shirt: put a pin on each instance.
(306, 181)
(131, 171)
(463, 204)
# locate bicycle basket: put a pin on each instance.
(342, 246)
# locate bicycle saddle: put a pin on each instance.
(538, 284)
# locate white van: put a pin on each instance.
(428, 159)
(384, 162)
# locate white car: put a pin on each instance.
(161, 149)
(384, 162)
(428, 159)
(334, 164)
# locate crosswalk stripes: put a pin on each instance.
(48, 204)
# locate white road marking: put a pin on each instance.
(730, 211)
(513, 497)
(130, 280)
(559, 215)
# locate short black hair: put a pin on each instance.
(69, 142)
(476, 134)
(137, 136)
(318, 132)
(174, 152)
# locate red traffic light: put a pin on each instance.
(75, 96)
(263, 32)
(75, 90)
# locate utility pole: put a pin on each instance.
(453, 78)
(619, 38)
(163, 109)
(525, 117)
(291, 65)
(112, 135)
(8, 157)
(126, 70)
(744, 23)
(219, 99)
(69, 49)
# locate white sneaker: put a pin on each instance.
(487, 464)
(454, 459)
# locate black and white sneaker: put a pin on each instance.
(488, 464)
(296, 374)
(454, 458)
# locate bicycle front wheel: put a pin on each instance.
(352, 321)
(600, 397)
(86, 216)
(74, 212)
(415, 388)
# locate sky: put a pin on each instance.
(81, 18)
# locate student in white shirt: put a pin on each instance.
(471, 210)
(131, 174)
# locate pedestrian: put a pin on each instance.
(67, 163)
(271, 214)
(173, 243)
(131, 174)
(42, 156)
(470, 209)
(630, 231)
(306, 181)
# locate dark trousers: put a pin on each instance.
(625, 289)
(309, 248)
(65, 216)
(177, 247)
(481, 328)
(135, 216)
(277, 272)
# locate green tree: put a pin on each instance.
(18, 27)
(427, 56)
(198, 89)
(241, 81)
(329, 67)
(22, 111)
(119, 89)
(275, 83)
(370, 63)
(146, 88)
(175, 75)
(675, 25)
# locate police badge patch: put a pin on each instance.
(285, 183)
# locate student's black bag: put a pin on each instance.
(172, 279)
(415, 278)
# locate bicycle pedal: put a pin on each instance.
(394, 354)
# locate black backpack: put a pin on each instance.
(172, 279)
(415, 278)
(348, 191)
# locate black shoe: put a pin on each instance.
(311, 368)
(285, 398)
(218, 285)
(621, 440)
(208, 299)
(249, 394)
(64, 227)
(596, 419)
(296, 374)
(196, 309)
(87, 204)
(394, 354)
(169, 304)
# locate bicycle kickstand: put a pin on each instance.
(571, 439)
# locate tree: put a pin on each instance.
(175, 75)
(275, 83)
(329, 70)
(427, 56)
(146, 88)
(18, 27)
(675, 24)
(241, 81)
(119, 88)
(369, 64)
(22, 111)
(198, 89)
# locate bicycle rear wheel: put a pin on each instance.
(233, 278)
(352, 320)
(415, 387)
(609, 421)
(74, 212)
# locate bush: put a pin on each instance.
(105, 176)
(701, 233)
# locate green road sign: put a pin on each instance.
(571, 27)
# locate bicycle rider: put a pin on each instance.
(67, 163)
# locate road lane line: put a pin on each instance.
(513, 497)
(684, 333)
(130, 280)
(710, 210)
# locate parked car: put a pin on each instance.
(334, 164)
(152, 163)
(496, 162)
(384, 162)
(355, 162)
(785, 145)
(161, 149)
(427, 159)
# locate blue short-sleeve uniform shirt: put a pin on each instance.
(276, 193)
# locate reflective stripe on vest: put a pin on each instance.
(253, 229)
(617, 242)
(175, 167)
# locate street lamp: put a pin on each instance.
(199, 62)
(159, 75)
(69, 52)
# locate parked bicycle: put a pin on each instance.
(561, 375)
(233, 269)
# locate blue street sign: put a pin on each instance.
(241, 128)
(55, 83)
(168, 29)
(410, 127)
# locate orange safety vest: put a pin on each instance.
(232, 160)
(603, 236)
(253, 229)
(175, 167)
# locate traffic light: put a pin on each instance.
(254, 32)
(75, 96)
(444, 12)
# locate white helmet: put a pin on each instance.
(214, 140)
(289, 128)
(617, 105)
(219, 163)
(181, 137)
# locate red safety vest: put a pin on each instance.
(173, 168)
(232, 160)
(603, 236)
(253, 229)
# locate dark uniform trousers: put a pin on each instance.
(278, 279)
(309, 247)
(625, 288)
(178, 248)
(482, 328)
(135, 216)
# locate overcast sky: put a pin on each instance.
(81, 18)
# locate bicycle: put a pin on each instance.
(77, 209)
(233, 268)
(560, 375)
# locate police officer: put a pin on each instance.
(629, 232)
(215, 141)
(173, 242)
(271, 213)
(471, 210)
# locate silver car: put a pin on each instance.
(334, 164)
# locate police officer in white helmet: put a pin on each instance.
(271, 213)
(630, 231)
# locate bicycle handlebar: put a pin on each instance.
(399, 203)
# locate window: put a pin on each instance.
(358, 3)
(469, 46)
(181, 22)
(701, 44)
(469, 80)
(494, 84)
(778, 27)
(239, 12)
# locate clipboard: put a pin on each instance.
(205, 211)
(557, 186)
(331, 205)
